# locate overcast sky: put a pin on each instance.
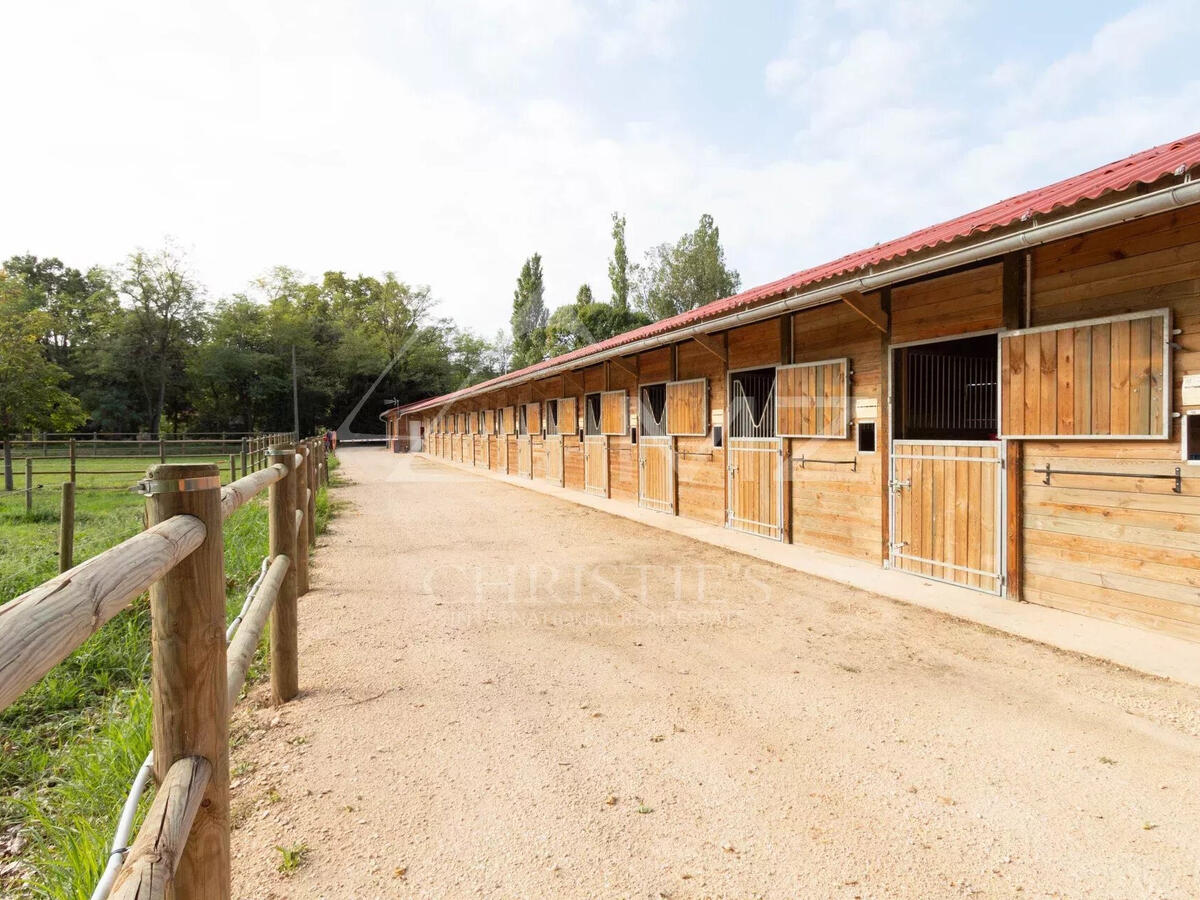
(448, 140)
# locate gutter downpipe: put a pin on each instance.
(1162, 200)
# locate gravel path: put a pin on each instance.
(509, 695)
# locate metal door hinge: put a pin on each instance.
(896, 485)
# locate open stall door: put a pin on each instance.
(947, 478)
(656, 456)
(754, 455)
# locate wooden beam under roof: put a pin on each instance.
(870, 308)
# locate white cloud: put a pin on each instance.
(323, 136)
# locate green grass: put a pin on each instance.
(71, 745)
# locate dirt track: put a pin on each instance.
(508, 695)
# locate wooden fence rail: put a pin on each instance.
(182, 849)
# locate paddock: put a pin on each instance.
(1008, 402)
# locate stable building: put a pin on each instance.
(1008, 401)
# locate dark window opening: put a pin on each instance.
(1191, 437)
(592, 425)
(947, 391)
(652, 410)
(866, 437)
(551, 417)
(752, 404)
(522, 420)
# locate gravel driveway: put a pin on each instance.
(509, 695)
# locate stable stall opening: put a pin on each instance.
(652, 410)
(752, 404)
(592, 423)
(522, 420)
(947, 391)
(656, 460)
(755, 460)
(947, 498)
(552, 417)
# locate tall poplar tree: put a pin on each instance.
(529, 315)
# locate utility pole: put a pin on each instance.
(295, 397)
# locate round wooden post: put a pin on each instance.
(232, 468)
(162, 449)
(28, 484)
(66, 527)
(188, 689)
(285, 669)
(71, 453)
(245, 471)
(301, 487)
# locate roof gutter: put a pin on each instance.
(1033, 235)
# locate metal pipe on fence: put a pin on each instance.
(300, 483)
(285, 676)
(310, 472)
(66, 527)
(188, 666)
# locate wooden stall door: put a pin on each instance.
(553, 448)
(525, 456)
(756, 486)
(595, 465)
(502, 454)
(947, 512)
(656, 473)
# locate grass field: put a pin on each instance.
(71, 745)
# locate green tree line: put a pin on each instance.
(139, 347)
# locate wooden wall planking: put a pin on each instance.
(959, 303)
(834, 507)
(1118, 548)
(700, 465)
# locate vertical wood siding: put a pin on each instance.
(687, 407)
(811, 399)
(1097, 378)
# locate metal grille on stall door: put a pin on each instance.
(652, 410)
(752, 404)
(593, 414)
(949, 393)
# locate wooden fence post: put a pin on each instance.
(66, 527)
(285, 674)
(162, 449)
(29, 484)
(232, 468)
(71, 454)
(245, 471)
(301, 485)
(188, 678)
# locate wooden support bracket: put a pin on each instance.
(870, 308)
(624, 368)
(713, 345)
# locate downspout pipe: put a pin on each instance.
(1033, 235)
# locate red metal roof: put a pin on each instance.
(1142, 168)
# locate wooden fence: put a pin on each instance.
(182, 849)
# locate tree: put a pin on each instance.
(31, 393)
(688, 274)
(618, 266)
(585, 322)
(529, 315)
(166, 316)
